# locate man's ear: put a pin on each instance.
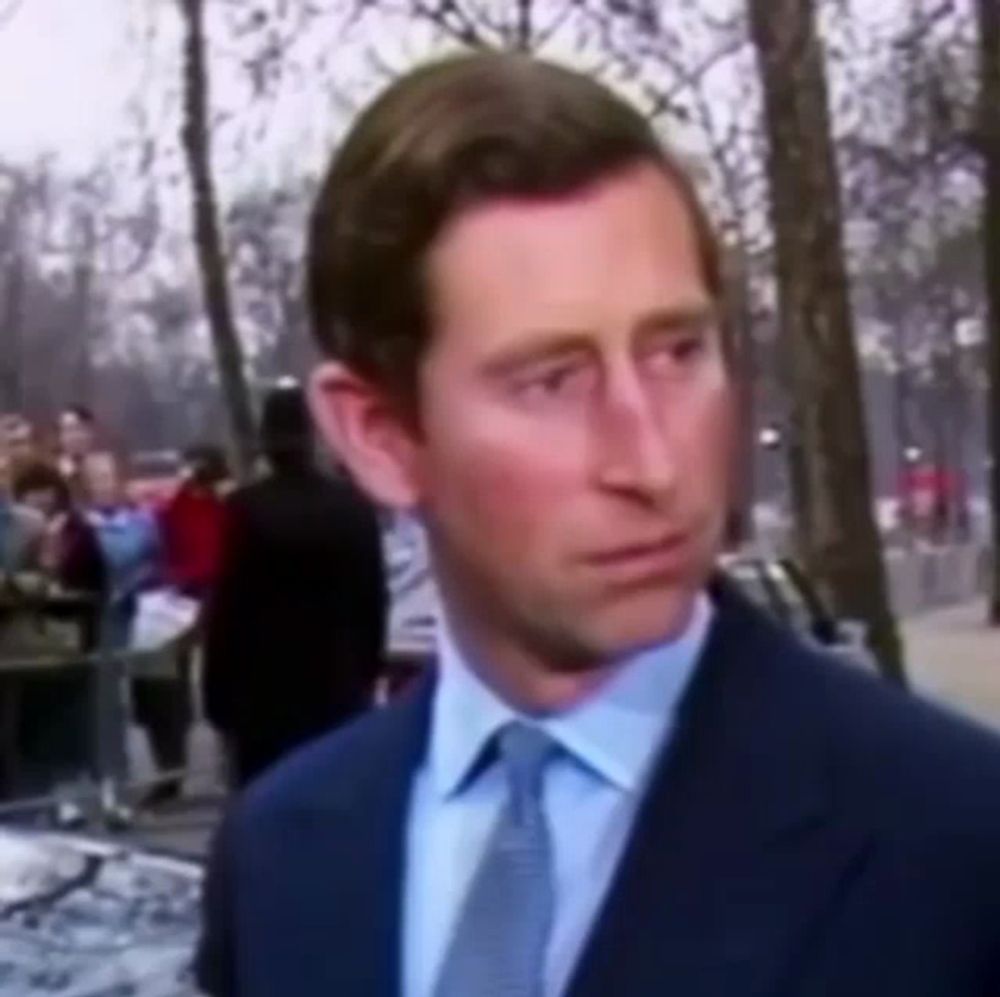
(363, 427)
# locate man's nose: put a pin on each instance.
(635, 452)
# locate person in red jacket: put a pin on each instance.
(193, 524)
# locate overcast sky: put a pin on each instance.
(72, 72)
(65, 71)
(69, 67)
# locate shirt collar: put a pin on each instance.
(615, 733)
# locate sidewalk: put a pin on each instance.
(184, 827)
(953, 656)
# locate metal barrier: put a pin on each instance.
(925, 578)
(105, 797)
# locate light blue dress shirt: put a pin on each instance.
(591, 794)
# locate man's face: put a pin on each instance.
(573, 464)
(102, 479)
(76, 435)
(19, 441)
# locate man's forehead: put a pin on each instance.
(513, 209)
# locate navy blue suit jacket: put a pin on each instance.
(811, 833)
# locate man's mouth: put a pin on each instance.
(642, 560)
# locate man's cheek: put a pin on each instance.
(505, 500)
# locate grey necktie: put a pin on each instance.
(502, 933)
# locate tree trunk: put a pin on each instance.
(829, 461)
(12, 393)
(83, 318)
(741, 528)
(196, 141)
(523, 30)
(989, 45)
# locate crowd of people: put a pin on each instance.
(68, 523)
(286, 573)
(67, 513)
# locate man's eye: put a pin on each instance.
(689, 347)
(678, 350)
(552, 383)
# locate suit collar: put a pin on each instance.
(341, 870)
(739, 846)
(750, 736)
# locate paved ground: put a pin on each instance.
(954, 657)
(186, 826)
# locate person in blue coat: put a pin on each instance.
(129, 537)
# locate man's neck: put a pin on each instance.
(529, 682)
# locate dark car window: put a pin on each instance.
(797, 611)
(756, 583)
(781, 588)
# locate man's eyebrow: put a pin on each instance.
(679, 318)
(548, 346)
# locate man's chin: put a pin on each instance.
(634, 627)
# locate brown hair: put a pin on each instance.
(39, 476)
(446, 136)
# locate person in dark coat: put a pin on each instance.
(295, 630)
(70, 553)
(53, 732)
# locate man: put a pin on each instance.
(295, 631)
(623, 780)
(17, 441)
(76, 431)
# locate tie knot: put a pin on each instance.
(525, 751)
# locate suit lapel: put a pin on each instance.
(341, 886)
(738, 849)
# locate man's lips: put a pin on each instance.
(643, 558)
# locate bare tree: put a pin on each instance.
(196, 141)
(12, 325)
(910, 179)
(989, 128)
(828, 449)
(264, 229)
(21, 196)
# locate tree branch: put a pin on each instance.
(465, 31)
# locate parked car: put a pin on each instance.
(84, 918)
(781, 587)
